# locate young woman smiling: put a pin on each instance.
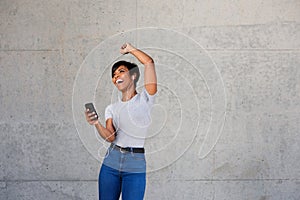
(124, 168)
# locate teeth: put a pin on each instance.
(119, 81)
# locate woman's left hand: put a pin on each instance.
(126, 48)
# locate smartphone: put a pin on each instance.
(91, 108)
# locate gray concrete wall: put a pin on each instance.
(255, 46)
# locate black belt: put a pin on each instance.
(128, 149)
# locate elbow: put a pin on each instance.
(150, 61)
(151, 88)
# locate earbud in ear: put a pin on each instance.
(132, 77)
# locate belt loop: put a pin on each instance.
(121, 150)
(112, 145)
(131, 150)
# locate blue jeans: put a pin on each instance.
(122, 172)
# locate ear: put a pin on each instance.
(133, 77)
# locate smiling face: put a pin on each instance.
(122, 79)
(125, 75)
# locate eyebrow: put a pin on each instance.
(120, 68)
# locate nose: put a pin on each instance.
(115, 78)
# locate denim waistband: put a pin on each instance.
(128, 149)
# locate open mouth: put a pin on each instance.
(119, 81)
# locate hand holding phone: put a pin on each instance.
(91, 114)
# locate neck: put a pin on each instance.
(128, 94)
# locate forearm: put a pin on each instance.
(105, 133)
(141, 56)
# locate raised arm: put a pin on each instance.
(150, 80)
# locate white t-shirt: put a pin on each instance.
(131, 119)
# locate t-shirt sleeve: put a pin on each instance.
(108, 112)
(150, 99)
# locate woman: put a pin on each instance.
(124, 167)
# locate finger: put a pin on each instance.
(90, 114)
(92, 117)
(124, 46)
(87, 111)
(86, 115)
(93, 121)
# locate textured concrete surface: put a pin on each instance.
(256, 47)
